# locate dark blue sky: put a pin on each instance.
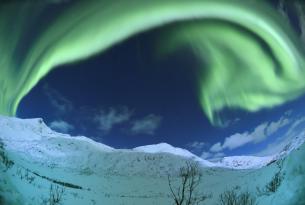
(127, 97)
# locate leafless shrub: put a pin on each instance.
(272, 186)
(56, 195)
(246, 198)
(4, 158)
(233, 198)
(186, 193)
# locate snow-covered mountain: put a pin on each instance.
(28, 132)
(34, 159)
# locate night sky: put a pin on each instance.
(129, 96)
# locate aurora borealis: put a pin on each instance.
(251, 58)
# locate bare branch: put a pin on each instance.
(190, 178)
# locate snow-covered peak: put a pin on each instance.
(164, 147)
(167, 148)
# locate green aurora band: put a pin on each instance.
(251, 58)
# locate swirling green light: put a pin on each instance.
(252, 59)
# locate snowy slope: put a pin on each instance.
(244, 162)
(33, 159)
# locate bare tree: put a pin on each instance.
(186, 193)
(234, 198)
(56, 195)
(228, 198)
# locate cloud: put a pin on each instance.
(196, 145)
(259, 134)
(57, 100)
(228, 123)
(216, 147)
(274, 126)
(147, 125)
(288, 112)
(206, 155)
(296, 129)
(61, 126)
(107, 119)
(212, 156)
(236, 140)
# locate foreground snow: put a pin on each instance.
(34, 159)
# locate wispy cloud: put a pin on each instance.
(296, 128)
(123, 118)
(61, 104)
(61, 126)
(274, 126)
(216, 147)
(107, 119)
(206, 155)
(259, 134)
(196, 145)
(212, 156)
(147, 125)
(228, 123)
